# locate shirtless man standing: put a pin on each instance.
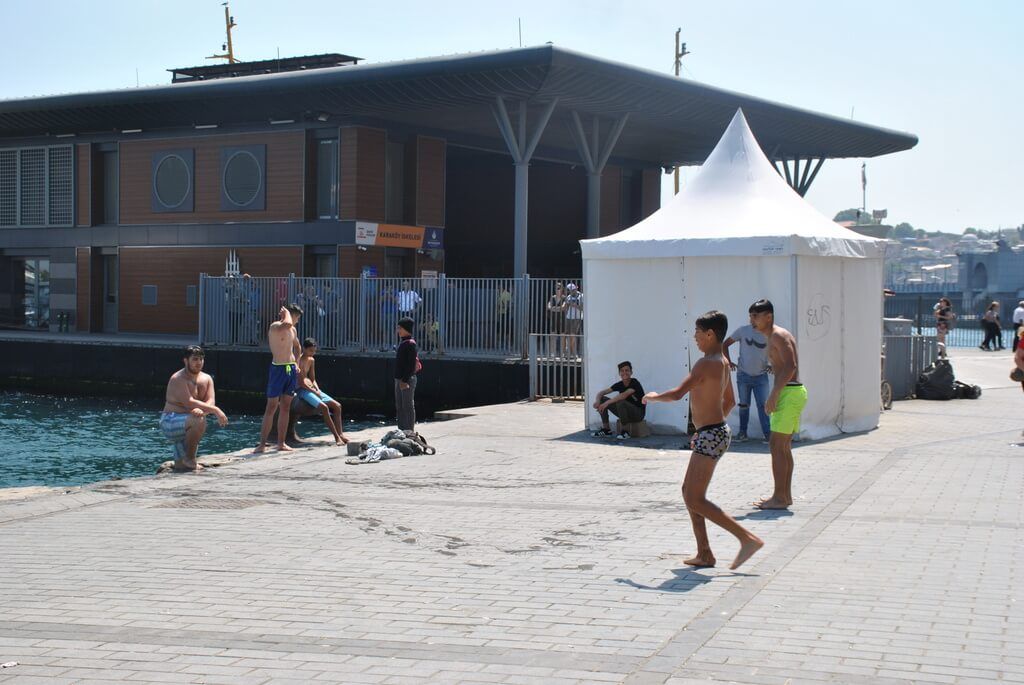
(785, 403)
(284, 373)
(711, 400)
(189, 399)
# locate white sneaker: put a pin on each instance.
(740, 437)
(622, 436)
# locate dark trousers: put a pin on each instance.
(993, 335)
(1016, 335)
(625, 411)
(405, 405)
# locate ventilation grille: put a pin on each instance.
(8, 187)
(61, 186)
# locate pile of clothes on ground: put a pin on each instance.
(938, 382)
(393, 445)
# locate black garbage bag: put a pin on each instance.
(936, 382)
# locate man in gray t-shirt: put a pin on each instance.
(751, 376)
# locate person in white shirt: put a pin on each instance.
(1018, 321)
(408, 300)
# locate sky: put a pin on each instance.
(948, 72)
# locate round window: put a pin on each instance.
(172, 181)
(242, 178)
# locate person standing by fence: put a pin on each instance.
(993, 333)
(944, 318)
(556, 315)
(573, 317)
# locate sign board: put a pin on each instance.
(879, 214)
(369, 271)
(397, 235)
(433, 238)
(429, 278)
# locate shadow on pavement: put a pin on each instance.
(683, 580)
(764, 515)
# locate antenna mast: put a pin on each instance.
(679, 53)
(229, 23)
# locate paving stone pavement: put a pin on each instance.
(527, 552)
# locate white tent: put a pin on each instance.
(735, 234)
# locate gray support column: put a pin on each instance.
(595, 157)
(522, 152)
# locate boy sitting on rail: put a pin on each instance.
(310, 393)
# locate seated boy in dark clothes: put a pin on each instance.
(628, 405)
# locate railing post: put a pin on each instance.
(533, 367)
(442, 312)
(920, 308)
(363, 294)
(202, 309)
(523, 313)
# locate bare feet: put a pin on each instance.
(344, 440)
(772, 503)
(701, 561)
(338, 442)
(747, 550)
(182, 468)
(285, 448)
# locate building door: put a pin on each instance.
(110, 291)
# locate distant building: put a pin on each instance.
(112, 203)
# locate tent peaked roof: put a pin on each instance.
(737, 205)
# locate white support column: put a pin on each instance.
(522, 152)
(595, 157)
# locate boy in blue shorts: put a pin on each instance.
(282, 376)
(310, 392)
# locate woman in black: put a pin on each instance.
(993, 328)
(943, 318)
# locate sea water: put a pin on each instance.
(51, 440)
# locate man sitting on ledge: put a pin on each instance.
(190, 397)
(627, 405)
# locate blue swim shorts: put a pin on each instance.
(172, 425)
(312, 399)
(282, 379)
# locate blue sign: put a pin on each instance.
(433, 238)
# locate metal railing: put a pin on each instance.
(906, 356)
(556, 366)
(472, 317)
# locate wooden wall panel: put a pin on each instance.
(651, 194)
(351, 260)
(82, 289)
(83, 184)
(430, 181)
(425, 261)
(172, 269)
(362, 156)
(285, 179)
(611, 200)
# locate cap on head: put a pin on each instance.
(626, 363)
(571, 286)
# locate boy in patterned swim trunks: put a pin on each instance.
(711, 399)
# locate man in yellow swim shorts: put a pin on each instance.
(785, 403)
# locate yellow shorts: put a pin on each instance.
(786, 417)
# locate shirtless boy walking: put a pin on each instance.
(190, 397)
(283, 376)
(785, 403)
(309, 392)
(711, 400)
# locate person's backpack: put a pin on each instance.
(965, 391)
(936, 382)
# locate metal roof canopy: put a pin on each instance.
(671, 120)
(265, 66)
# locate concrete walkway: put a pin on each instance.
(525, 551)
